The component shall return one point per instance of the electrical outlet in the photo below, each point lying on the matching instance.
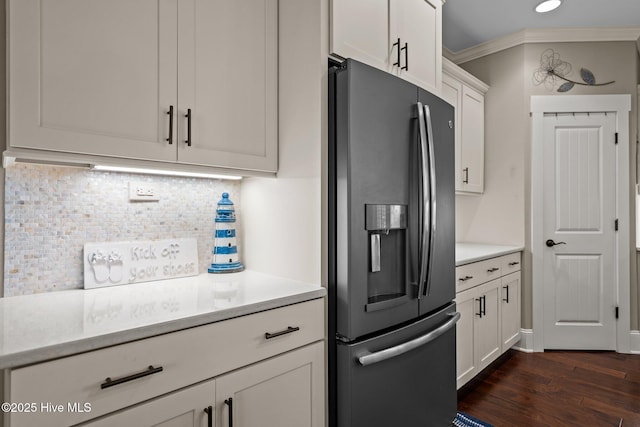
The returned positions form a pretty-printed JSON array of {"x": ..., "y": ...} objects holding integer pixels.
[{"x": 142, "y": 192}]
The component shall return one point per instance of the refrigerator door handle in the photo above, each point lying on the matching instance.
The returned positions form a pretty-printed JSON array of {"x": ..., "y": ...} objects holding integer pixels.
[
  {"x": 432, "y": 192},
  {"x": 425, "y": 201},
  {"x": 389, "y": 353}
]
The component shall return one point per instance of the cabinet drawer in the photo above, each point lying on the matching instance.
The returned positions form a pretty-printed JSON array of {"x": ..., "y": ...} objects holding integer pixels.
[
  {"x": 186, "y": 357},
  {"x": 470, "y": 275},
  {"x": 510, "y": 263}
]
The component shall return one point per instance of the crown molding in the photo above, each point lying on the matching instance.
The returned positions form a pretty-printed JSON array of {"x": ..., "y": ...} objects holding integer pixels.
[
  {"x": 459, "y": 74},
  {"x": 546, "y": 35}
]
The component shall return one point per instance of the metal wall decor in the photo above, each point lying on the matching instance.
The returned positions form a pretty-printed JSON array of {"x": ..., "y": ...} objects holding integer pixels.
[{"x": 553, "y": 69}]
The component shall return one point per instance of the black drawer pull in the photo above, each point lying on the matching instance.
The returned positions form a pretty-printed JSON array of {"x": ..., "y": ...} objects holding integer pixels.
[
  {"x": 465, "y": 278},
  {"x": 209, "y": 411},
  {"x": 188, "y": 116},
  {"x": 170, "y": 113},
  {"x": 229, "y": 403},
  {"x": 108, "y": 382},
  {"x": 491, "y": 270},
  {"x": 514, "y": 263},
  {"x": 289, "y": 329}
]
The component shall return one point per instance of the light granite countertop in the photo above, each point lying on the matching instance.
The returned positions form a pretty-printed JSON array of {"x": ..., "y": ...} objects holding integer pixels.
[
  {"x": 471, "y": 252},
  {"x": 45, "y": 326}
]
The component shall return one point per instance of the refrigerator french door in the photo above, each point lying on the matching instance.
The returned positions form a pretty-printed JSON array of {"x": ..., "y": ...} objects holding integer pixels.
[{"x": 391, "y": 256}]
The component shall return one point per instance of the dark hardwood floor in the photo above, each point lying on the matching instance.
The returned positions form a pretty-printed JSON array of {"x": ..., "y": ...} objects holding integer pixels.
[{"x": 556, "y": 388}]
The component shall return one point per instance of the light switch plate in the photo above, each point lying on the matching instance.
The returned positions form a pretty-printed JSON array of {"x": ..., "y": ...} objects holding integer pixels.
[{"x": 143, "y": 192}]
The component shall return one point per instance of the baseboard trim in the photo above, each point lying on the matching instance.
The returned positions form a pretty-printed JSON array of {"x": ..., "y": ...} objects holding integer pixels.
[
  {"x": 634, "y": 342},
  {"x": 526, "y": 341}
]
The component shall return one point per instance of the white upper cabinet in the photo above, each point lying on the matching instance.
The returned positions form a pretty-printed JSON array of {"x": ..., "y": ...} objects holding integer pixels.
[
  {"x": 417, "y": 24},
  {"x": 100, "y": 77},
  {"x": 403, "y": 37},
  {"x": 228, "y": 78},
  {"x": 466, "y": 93},
  {"x": 92, "y": 77},
  {"x": 359, "y": 30}
]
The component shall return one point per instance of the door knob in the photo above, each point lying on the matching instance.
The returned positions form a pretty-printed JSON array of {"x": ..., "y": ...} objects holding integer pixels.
[{"x": 550, "y": 243}]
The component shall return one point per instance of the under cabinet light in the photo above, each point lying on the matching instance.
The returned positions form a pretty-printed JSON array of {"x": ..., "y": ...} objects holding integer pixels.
[
  {"x": 162, "y": 172},
  {"x": 548, "y": 6}
]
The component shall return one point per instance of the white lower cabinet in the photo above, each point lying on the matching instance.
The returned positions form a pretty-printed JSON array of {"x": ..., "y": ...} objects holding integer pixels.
[
  {"x": 510, "y": 303},
  {"x": 190, "y": 407},
  {"x": 269, "y": 364},
  {"x": 286, "y": 391},
  {"x": 490, "y": 321}
]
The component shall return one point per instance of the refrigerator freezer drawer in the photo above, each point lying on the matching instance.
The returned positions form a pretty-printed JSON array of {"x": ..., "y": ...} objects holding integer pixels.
[{"x": 381, "y": 382}]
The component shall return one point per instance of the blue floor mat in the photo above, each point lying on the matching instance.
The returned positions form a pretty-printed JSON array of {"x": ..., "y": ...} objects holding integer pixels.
[{"x": 464, "y": 420}]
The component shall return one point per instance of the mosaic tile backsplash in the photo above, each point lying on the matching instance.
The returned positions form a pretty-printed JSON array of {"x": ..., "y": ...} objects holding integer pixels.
[{"x": 51, "y": 212}]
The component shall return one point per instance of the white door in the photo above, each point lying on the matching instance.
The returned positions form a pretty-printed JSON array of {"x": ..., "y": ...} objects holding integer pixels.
[
  {"x": 579, "y": 224},
  {"x": 228, "y": 78}
]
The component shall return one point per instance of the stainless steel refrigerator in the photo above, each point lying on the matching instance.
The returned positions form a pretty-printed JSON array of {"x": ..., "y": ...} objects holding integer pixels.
[{"x": 392, "y": 356}]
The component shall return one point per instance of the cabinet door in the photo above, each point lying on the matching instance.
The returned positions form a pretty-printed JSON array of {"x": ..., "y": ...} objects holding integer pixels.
[
  {"x": 92, "y": 76},
  {"x": 510, "y": 302},
  {"x": 285, "y": 391},
  {"x": 452, "y": 93},
  {"x": 472, "y": 140},
  {"x": 228, "y": 78},
  {"x": 468, "y": 308},
  {"x": 418, "y": 25},
  {"x": 185, "y": 408},
  {"x": 487, "y": 327},
  {"x": 359, "y": 30}
]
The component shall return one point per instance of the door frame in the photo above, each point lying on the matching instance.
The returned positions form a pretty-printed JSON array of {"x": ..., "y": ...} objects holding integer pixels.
[{"x": 621, "y": 106}]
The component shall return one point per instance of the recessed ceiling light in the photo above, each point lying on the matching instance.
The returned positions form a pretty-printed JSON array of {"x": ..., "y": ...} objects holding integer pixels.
[{"x": 548, "y": 5}]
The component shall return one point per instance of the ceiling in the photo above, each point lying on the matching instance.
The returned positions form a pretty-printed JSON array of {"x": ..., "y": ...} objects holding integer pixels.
[{"x": 467, "y": 23}]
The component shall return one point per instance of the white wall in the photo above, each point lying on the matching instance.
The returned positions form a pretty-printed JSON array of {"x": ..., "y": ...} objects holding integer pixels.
[{"x": 283, "y": 232}]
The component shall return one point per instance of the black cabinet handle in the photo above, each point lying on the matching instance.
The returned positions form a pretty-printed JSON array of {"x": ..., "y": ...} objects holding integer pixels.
[
  {"x": 465, "y": 180},
  {"x": 397, "y": 63},
  {"x": 108, "y": 382},
  {"x": 229, "y": 403},
  {"x": 507, "y": 299},
  {"x": 479, "y": 314},
  {"x": 170, "y": 113},
  {"x": 491, "y": 270},
  {"x": 484, "y": 305},
  {"x": 513, "y": 263},
  {"x": 209, "y": 412},
  {"x": 465, "y": 278},
  {"x": 406, "y": 56},
  {"x": 290, "y": 329},
  {"x": 188, "y": 116}
]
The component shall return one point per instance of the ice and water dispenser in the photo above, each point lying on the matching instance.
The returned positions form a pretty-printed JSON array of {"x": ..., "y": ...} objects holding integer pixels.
[{"x": 386, "y": 227}]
